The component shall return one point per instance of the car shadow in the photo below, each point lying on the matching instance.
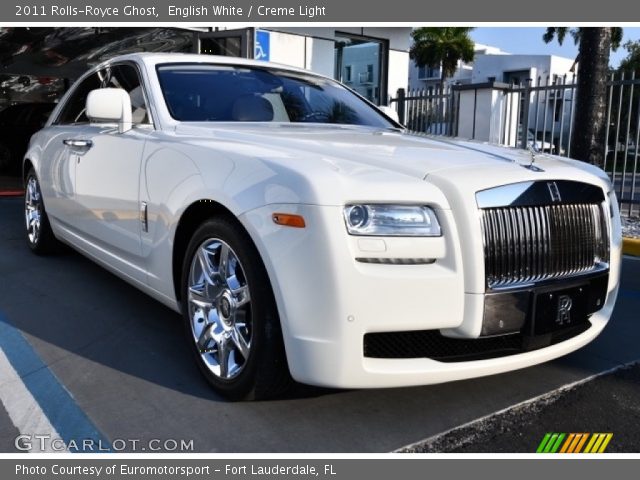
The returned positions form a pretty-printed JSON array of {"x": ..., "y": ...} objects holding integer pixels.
[
  {"x": 79, "y": 308},
  {"x": 124, "y": 358}
]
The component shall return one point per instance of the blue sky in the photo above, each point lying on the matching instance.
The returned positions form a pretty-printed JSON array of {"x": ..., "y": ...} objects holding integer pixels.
[{"x": 528, "y": 40}]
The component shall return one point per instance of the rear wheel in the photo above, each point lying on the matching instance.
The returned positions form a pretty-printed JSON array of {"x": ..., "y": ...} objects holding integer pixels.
[
  {"x": 230, "y": 315},
  {"x": 40, "y": 237}
]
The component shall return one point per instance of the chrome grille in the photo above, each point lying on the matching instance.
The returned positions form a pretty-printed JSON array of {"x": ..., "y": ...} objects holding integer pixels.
[{"x": 527, "y": 244}]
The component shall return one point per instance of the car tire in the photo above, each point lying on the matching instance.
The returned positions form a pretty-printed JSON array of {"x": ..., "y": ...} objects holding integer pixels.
[
  {"x": 40, "y": 237},
  {"x": 230, "y": 315}
]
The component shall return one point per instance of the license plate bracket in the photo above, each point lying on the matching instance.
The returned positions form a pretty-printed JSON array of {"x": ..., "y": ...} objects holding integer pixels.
[{"x": 558, "y": 309}]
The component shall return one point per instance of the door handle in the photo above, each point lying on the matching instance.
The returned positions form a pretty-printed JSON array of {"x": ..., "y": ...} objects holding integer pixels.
[{"x": 72, "y": 142}]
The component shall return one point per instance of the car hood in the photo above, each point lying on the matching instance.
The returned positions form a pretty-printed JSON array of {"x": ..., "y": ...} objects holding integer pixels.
[
  {"x": 359, "y": 151},
  {"x": 414, "y": 155}
]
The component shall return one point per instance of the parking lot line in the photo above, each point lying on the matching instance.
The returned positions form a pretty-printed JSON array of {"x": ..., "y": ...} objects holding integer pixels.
[
  {"x": 37, "y": 403},
  {"x": 123, "y": 358},
  {"x": 24, "y": 412}
]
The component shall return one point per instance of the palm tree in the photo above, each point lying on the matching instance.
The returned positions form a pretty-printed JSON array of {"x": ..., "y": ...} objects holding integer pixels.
[
  {"x": 594, "y": 47},
  {"x": 631, "y": 63},
  {"x": 442, "y": 47}
]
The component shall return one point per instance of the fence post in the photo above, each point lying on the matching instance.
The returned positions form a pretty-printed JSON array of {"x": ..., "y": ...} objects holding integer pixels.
[
  {"x": 525, "y": 114},
  {"x": 401, "y": 105}
]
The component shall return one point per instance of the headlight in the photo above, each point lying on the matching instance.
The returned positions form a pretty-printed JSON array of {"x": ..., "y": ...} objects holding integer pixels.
[{"x": 392, "y": 220}]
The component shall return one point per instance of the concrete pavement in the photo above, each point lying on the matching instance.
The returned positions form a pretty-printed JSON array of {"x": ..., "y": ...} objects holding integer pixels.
[{"x": 122, "y": 358}]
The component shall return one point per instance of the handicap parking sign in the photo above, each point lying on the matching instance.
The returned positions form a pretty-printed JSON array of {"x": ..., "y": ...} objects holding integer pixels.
[{"x": 262, "y": 46}]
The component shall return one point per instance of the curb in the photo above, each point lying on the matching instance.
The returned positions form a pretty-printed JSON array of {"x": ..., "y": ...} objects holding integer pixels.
[
  {"x": 631, "y": 246},
  {"x": 11, "y": 193}
]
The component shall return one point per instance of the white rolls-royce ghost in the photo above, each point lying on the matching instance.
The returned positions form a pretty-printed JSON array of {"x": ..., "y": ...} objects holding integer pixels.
[{"x": 303, "y": 234}]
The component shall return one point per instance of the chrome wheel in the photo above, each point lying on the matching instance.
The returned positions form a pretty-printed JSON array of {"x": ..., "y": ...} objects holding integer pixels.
[
  {"x": 33, "y": 210},
  {"x": 219, "y": 308}
]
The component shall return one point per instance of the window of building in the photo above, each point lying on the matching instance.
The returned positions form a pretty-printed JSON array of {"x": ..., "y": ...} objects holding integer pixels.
[
  {"x": 230, "y": 43},
  {"x": 369, "y": 94},
  {"x": 367, "y": 59},
  {"x": 369, "y": 74},
  {"x": 518, "y": 77},
  {"x": 347, "y": 73},
  {"x": 427, "y": 72}
]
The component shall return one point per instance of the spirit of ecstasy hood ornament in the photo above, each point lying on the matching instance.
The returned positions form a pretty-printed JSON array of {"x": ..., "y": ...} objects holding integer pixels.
[{"x": 532, "y": 166}]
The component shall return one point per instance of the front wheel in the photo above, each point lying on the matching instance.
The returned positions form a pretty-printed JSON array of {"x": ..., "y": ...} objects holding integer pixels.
[
  {"x": 40, "y": 237},
  {"x": 230, "y": 314}
]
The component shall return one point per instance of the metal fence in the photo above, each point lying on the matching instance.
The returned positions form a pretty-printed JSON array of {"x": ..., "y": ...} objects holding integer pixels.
[
  {"x": 538, "y": 114},
  {"x": 623, "y": 135},
  {"x": 428, "y": 110}
]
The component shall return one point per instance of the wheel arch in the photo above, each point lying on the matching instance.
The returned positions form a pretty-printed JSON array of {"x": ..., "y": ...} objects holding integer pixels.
[
  {"x": 192, "y": 217},
  {"x": 271, "y": 374},
  {"x": 27, "y": 165}
]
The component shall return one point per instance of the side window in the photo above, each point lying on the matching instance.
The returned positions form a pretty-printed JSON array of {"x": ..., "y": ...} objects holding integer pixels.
[
  {"x": 126, "y": 77},
  {"x": 118, "y": 76},
  {"x": 74, "y": 110}
]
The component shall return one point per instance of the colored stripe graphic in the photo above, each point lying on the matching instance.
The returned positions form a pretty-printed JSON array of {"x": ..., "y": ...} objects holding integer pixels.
[
  {"x": 550, "y": 443},
  {"x": 581, "y": 443},
  {"x": 554, "y": 442},
  {"x": 606, "y": 441},
  {"x": 543, "y": 443},
  {"x": 34, "y": 387},
  {"x": 554, "y": 449},
  {"x": 568, "y": 442},
  {"x": 592, "y": 440}
]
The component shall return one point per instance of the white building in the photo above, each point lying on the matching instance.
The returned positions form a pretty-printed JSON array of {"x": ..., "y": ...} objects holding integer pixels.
[
  {"x": 371, "y": 60},
  {"x": 549, "y": 111},
  {"x": 518, "y": 69},
  {"x": 494, "y": 70},
  {"x": 426, "y": 76}
]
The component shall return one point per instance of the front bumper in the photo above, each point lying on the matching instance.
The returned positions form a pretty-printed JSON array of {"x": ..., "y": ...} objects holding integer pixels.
[{"x": 328, "y": 300}]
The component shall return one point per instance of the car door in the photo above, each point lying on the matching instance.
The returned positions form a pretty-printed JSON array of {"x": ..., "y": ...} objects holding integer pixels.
[
  {"x": 57, "y": 170},
  {"x": 107, "y": 176}
]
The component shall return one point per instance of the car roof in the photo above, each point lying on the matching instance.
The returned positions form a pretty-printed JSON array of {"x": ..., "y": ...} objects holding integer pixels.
[{"x": 153, "y": 59}]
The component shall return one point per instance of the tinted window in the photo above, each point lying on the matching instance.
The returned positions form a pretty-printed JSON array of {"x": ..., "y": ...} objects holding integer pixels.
[
  {"x": 126, "y": 77},
  {"x": 251, "y": 94},
  {"x": 118, "y": 76},
  {"x": 74, "y": 110}
]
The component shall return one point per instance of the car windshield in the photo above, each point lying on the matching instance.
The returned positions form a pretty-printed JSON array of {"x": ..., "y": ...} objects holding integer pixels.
[{"x": 238, "y": 93}]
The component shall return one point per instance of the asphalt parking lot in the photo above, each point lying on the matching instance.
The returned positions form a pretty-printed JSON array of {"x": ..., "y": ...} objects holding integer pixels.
[{"x": 103, "y": 359}]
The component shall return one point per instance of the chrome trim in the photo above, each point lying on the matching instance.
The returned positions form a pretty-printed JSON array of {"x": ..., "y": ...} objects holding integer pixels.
[
  {"x": 538, "y": 193},
  {"x": 33, "y": 210},
  {"x": 526, "y": 245},
  {"x": 77, "y": 143},
  {"x": 396, "y": 261},
  {"x": 219, "y": 307},
  {"x": 508, "y": 310},
  {"x": 144, "y": 217}
]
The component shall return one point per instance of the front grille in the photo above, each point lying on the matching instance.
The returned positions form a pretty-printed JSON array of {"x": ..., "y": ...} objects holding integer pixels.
[
  {"x": 525, "y": 244},
  {"x": 432, "y": 344}
]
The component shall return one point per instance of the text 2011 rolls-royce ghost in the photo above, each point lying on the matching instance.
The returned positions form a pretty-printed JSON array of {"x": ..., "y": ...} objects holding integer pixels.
[{"x": 304, "y": 235}]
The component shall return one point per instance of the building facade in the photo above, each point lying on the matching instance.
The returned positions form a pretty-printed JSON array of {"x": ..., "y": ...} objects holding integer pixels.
[
  {"x": 493, "y": 71},
  {"x": 428, "y": 77},
  {"x": 371, "y": 60}
]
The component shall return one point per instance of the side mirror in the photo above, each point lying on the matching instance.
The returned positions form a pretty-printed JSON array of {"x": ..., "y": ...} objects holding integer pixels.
[
  {"x": 390, "y": 112},
  {"x": 110, "y": 105}
]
